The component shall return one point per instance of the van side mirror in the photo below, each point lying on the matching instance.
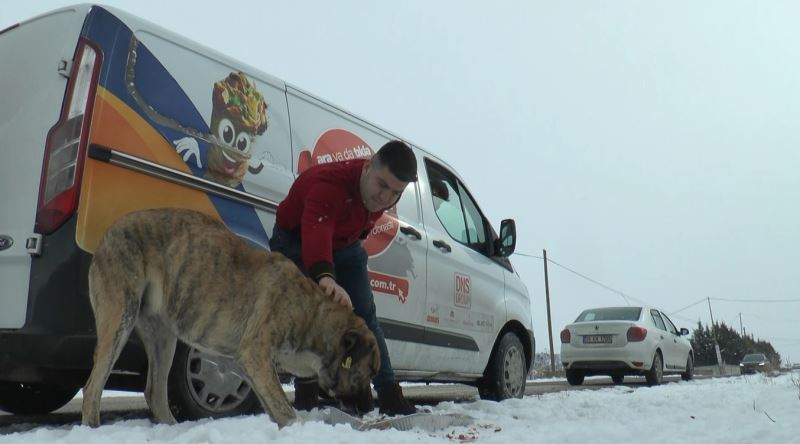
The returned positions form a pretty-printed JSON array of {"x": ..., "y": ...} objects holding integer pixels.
[
  {"x": 505, "y": 245},
  {"x": 684, "y": 332}
]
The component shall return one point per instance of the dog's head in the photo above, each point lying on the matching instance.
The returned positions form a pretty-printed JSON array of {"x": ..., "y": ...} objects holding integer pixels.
[{"x": 353, "y": 363}]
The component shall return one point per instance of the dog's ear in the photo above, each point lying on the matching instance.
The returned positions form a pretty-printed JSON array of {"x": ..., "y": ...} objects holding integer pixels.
[{"x": 350, "y": 341}]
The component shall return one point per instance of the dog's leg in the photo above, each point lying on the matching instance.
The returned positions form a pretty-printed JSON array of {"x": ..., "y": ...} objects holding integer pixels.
[
  {"x": 116, "y": 305},
  {"x": 159, "y": 343},
  {"x": 256, "y": 362}
]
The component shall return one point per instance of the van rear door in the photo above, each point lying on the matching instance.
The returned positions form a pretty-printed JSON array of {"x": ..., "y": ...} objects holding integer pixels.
[{"x": 36, "y": 57}]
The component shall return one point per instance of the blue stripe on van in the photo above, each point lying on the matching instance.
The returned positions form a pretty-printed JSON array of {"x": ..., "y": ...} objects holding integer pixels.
[{"x": 163, "y": 93}]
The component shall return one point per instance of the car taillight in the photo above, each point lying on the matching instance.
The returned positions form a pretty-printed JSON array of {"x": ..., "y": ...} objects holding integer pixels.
[
  {"x": 66, "y": 143},
  {"x": 637, "y": 334},
  {"x": 565, "y": 336}
]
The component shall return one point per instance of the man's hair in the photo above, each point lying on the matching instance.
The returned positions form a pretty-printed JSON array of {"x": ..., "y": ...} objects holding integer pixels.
[{"x": 399, "y": 158}]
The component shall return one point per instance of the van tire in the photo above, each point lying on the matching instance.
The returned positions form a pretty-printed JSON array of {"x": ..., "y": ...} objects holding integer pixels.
[
  {"x": 34, "y": 399},
  {"x": 192, "y": 371},
  {"x": 507, "y": 372}
]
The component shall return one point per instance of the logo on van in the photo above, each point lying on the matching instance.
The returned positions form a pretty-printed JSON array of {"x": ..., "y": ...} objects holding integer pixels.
[
  {"x": 463, "y": 293},
  {"x": 5, "y": 242}
]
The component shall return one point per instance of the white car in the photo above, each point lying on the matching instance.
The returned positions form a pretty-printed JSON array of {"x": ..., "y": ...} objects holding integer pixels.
[{"x": 619, "y": 341}]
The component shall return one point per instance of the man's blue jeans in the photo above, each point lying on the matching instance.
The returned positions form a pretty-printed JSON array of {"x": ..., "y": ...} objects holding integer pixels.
[{"x": 350, "y": 264}]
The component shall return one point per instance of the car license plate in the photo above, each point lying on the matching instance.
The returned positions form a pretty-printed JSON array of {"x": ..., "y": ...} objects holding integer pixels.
[{"x": 597, "y": 339}]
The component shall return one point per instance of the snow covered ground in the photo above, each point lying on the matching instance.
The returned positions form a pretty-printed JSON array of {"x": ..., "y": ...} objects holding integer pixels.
[{"x": 745, "y": 409}]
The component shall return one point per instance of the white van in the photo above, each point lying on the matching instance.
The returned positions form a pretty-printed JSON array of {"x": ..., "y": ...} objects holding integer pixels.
[{"x": 102, "y": 113}]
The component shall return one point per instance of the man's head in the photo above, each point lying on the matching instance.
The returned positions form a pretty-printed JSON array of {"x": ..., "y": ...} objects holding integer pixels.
[{"x": 386, "y": 175}]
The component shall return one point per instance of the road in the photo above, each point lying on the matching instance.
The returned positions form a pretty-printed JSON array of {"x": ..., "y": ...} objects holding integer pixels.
[{"x": 134, "y": 407}]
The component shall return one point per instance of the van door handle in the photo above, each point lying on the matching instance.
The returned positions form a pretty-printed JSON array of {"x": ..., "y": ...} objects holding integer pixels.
[
  {"x": 442, "y": 245},
  {"x": 411, "y": 231}
]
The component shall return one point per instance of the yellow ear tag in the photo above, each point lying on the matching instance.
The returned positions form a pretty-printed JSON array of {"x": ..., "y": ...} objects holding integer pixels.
[{"x": 347, "y": 362}]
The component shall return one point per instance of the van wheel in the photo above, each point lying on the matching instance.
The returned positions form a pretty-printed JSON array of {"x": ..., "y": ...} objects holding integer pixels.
[
  {"x": 574, "y": 377},
  {"x": 34, "y": 399},
  {"x": 655, "y": 375},
  {"x": 689, "y": 373},
  {"x": 207, "y": 386},
  {"x": 506, "y": 374},
  {"x": 617, "y": 379}
]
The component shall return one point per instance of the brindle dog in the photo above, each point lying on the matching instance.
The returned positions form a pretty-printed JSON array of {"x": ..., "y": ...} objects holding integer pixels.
[{"x": 173, "y": 273}]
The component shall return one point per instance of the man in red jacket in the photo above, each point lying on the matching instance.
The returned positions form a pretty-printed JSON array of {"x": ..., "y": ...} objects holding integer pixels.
[{"x": 320, "y": 225}]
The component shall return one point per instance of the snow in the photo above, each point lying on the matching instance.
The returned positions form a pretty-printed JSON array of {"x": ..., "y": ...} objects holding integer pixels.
[{"x": 744, "y": 409}]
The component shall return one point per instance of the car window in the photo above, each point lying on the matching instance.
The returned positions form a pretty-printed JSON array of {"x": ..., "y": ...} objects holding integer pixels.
[
  {"x": 657, "y": 320},
  {"x": 610, "y": 314},
  {"x": 670, "y": 326}
]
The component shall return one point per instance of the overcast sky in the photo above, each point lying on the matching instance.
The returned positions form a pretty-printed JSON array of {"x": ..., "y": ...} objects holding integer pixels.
[{"x": 651, "y": 146}]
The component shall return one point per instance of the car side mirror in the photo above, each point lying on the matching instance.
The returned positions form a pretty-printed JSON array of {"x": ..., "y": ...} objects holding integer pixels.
[
  {"x": 684, "y": 332},
  {"x": 505, "y": 245}
]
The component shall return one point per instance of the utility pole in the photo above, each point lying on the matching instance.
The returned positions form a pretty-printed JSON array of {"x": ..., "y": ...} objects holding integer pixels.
[
  {"x": 549, "y": 322},
  {"x": 740, "y": 324},
  {"x": 714, "y": 333}
]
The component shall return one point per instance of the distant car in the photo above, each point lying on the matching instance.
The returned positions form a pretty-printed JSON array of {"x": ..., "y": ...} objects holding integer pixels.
[
  {"x": 619, "y": 341},
  {"x": 795, "y": 367},
  {"x": 753, "y": 363}
]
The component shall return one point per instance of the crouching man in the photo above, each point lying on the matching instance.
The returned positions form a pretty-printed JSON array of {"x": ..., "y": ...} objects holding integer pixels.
[{"x": 320, "y": 226}]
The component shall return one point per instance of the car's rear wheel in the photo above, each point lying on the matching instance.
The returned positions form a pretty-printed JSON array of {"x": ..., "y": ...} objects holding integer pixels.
[
  {"x": 655, "y": 375},
  {"x": 506, "y": 374},
  {"x": 617, "y": 379},
  {"x": 689, "y": 373},
  {"x": 34, "y": 399},
  {"x": 207, "y": 386},
  {"x": 575, "y": 377}
]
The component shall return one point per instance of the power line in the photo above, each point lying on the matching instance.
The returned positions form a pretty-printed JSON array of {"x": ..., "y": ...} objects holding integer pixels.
[
  {"x": 768, "y": 301},
  {"x": 771, "y": 319},
  {"x": 625, "y": 297},
  {"x": 528, "y": 255},
  {"x": 688, "y": 306}
]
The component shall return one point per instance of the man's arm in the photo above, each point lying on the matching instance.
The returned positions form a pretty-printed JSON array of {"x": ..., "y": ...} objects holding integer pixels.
[{"x": 323, "y": 203}]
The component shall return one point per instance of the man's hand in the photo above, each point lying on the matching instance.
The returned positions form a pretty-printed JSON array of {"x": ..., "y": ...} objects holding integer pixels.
[{"x": 335, "y": 292}]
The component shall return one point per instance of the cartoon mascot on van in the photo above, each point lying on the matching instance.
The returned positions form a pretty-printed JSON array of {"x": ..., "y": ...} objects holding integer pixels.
[{"x": 239, "y": 115}]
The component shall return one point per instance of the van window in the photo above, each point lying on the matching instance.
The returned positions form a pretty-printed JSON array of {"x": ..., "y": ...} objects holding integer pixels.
[
  {"x": 455, "y": 208},
  {"x": 476, "y": 228}
]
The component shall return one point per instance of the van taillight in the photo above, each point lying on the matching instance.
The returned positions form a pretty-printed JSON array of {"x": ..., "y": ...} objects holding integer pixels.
[
  {"x": 66, "y": 143},
  {"x": 637, "y": 334},
  {"x": 565, "y": 336}
]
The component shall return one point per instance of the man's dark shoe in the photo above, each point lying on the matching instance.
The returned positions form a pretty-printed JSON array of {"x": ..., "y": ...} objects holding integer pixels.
[
  {"x": 306, "y": 394},
  {"x": 392, "y": 402},
  {"x": 358, "y": 404}
]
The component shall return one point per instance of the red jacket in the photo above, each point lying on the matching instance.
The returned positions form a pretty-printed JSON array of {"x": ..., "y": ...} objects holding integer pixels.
[{"x": 324, "y": 206}]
